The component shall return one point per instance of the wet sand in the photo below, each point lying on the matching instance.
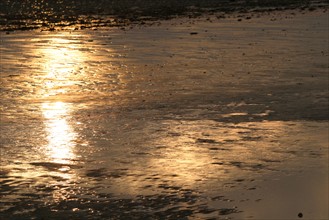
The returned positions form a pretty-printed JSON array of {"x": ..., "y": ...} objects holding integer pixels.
[{"x": 203, "y": 118}]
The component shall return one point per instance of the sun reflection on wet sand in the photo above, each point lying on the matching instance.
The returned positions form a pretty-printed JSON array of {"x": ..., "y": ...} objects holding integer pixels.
[
  {"x": 61, "y": 65},
  {"x": 62, "y": 78},
  {"x": 60, "y": 135},
  {"x": 61, "y": 60}
]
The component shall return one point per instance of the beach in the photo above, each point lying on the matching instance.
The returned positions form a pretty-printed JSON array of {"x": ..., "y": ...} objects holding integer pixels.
[{"x": 217, "y": 116}]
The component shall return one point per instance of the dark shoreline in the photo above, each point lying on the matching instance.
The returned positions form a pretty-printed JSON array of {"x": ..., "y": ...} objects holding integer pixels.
[{"x": 54, "y": 15}]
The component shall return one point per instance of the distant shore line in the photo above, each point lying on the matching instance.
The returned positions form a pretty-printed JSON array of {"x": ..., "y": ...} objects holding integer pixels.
[{"x": 54, "y": 21}]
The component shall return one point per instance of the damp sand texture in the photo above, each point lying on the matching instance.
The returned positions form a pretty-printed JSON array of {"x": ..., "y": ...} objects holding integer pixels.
[{"x": 203, "y": 118}]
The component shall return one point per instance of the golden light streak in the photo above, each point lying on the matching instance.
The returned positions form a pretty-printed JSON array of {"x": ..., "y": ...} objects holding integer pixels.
[{"x": 60, "y": 135}]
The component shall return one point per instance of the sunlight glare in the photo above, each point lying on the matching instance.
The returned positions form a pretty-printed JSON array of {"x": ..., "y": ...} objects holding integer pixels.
[
  {"x": 62, "y": 66},
  {"x": 60, "y": 135}
]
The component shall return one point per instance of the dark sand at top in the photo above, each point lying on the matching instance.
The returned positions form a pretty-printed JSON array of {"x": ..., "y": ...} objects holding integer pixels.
[{"x": 59, "y": 14}]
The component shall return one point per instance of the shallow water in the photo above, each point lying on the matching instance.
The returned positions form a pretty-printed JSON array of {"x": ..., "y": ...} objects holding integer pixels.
[{"x": 161, "y": 123}]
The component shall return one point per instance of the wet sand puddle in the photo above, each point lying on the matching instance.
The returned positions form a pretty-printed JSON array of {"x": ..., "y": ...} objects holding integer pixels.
[{"x": 159, "y": 124}]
